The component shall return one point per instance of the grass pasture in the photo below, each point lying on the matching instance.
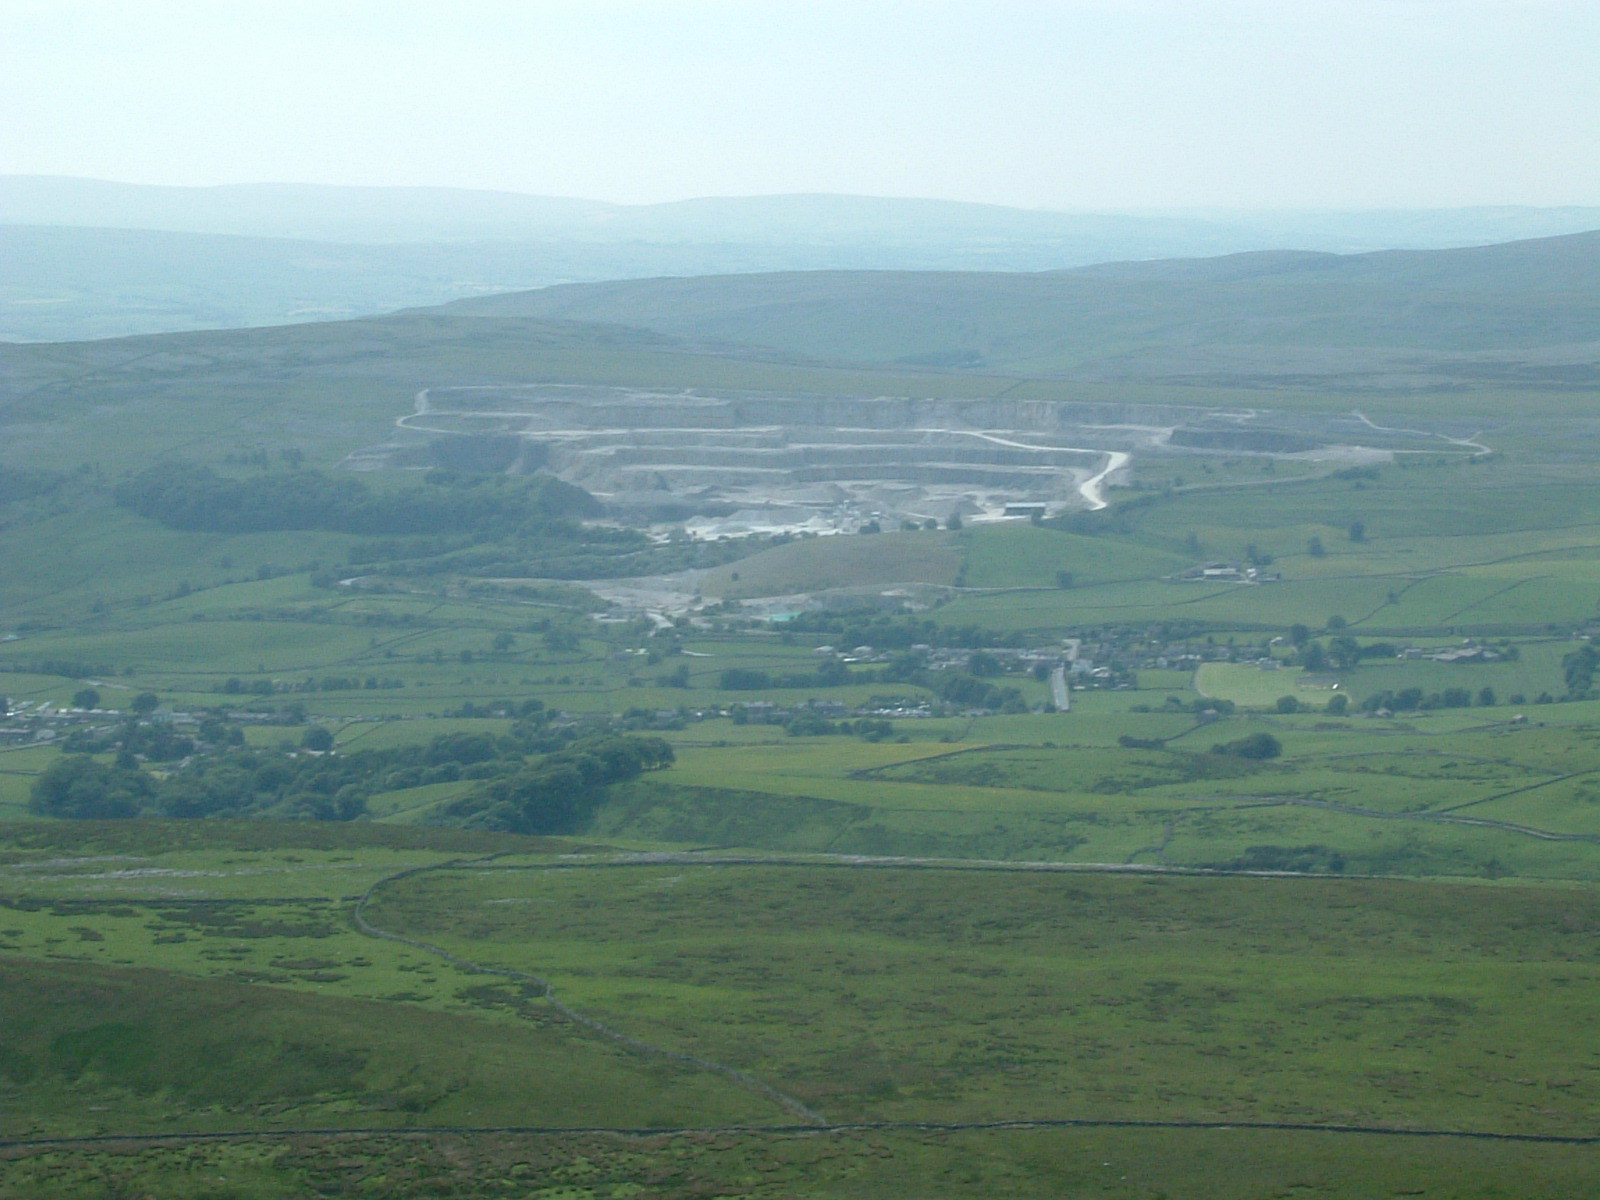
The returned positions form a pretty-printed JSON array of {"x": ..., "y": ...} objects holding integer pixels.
[
  {"x": 92, "y": 1050},
  {"x": 951, "y": 996},
  {"x": 902, "y": 1164},
  {"x": 1355, "y": 797},
  {"x": 1014, "y": 554},
  {"x": 872, "y": 994}
]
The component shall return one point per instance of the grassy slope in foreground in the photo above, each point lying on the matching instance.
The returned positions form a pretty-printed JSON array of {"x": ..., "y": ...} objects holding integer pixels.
[
  {"x": 1036, "y": 1164},
  {"x": 936, "y": 995}
]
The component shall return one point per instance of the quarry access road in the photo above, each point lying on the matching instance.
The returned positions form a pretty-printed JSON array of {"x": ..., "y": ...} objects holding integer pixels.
[
  {"x": 1093, "y": 490},
  {"x": 1060, "y": 694},
  {"x": 1469, "y": 442}
]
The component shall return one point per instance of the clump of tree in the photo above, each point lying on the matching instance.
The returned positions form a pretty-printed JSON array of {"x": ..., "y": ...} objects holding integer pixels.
[
  {"x": 315, "y": 782},
  {"x": 1301, "y": 860},
  {"x": 194, "y": 497},
  {"x": 968, "y": 691},
  {"x": 815, "y": 725},
  {"x": 1414, "y": 699},
  {"x": 1256, "y": 746},
  {"x": 1578, "y": 670},
  {"x": 85, "y": 789},
  {"x": 1342, "y": 653},
  {"x": 1199, "y": 706},
  {"x": 555, "y": 794}
]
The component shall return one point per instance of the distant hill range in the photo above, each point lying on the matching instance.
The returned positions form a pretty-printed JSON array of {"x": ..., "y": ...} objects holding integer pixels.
[
  {"x": 87, "y": 258},
  {"x": 1518, "y": 315},
  {"x": 1521, "y": 312}
]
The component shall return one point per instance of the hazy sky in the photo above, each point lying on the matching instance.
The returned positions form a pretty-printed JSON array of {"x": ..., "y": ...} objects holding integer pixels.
[{"x": 1075, "y": 104}]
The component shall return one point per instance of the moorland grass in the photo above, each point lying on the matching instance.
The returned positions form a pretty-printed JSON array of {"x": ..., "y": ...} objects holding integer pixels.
[
  {"x": 91, "y": 1050},
  {"x": 890, "y": 994},
  {"x": 1092, "y": 1164}
]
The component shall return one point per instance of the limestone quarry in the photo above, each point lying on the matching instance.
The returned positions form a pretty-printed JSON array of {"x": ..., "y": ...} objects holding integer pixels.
[{"x": 737, "y": 463}]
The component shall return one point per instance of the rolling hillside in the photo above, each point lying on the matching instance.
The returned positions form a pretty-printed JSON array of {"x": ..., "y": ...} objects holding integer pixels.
[
  {"x": 1433, "y": 332},
  {"x": 90, "y": 259},
  {"x": 1521, "y": 311}
]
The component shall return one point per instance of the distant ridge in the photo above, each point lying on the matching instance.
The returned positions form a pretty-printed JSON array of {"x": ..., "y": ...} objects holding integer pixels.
[
  {"x": 1334, "y": 329},
  {"x": 84, "y": 258},
  {"x": 423, "y": 214},
  {"x": 1528, "y": 309}
]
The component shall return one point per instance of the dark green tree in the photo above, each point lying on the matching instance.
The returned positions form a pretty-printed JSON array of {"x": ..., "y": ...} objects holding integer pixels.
[
  {"x": 1258, "y": 746},
  {"x": 1578, "y": 670},
  {"x": 78, "y": 787},
  {"x": 1345, "y": 652},
  {"x": 317, "y": 737}
]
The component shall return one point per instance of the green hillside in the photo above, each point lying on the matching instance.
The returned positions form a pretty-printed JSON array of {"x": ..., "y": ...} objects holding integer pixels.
[{"x": 1525, "y": 310}]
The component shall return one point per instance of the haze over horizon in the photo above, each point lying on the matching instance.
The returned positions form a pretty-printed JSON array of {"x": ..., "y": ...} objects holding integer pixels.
[{"x": 1081, "y": 105}]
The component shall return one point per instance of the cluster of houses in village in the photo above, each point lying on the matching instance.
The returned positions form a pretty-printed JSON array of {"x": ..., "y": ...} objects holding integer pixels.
[
  {"x": 1229, "y": 572},
  {"x": 26, "y": 721}
]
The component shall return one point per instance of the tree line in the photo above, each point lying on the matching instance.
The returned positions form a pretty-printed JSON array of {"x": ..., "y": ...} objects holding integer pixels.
[
  {"x": 532, "y": 779},
  {"x": 193, "y": 497}
]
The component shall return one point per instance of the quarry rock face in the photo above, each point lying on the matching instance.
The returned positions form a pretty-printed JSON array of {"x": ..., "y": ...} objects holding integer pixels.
[{"x": 813, "y": 462}]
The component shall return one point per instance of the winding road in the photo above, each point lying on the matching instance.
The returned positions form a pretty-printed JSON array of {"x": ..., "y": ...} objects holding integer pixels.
[{"x": 1477, "y": 447}]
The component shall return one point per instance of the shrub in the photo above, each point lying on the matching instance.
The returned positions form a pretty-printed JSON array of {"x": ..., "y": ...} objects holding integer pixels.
[{"x": 1259, "y": 746}]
